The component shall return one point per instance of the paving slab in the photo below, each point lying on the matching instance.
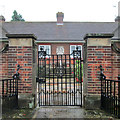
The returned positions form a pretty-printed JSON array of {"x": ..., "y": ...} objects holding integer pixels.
[{"x": 69, "y": 112}]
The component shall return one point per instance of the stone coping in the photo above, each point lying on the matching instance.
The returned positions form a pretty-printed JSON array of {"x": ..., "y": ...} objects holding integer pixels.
[
  {"x": 98, "y": 35},
  {"x": 21, "y": 36}
]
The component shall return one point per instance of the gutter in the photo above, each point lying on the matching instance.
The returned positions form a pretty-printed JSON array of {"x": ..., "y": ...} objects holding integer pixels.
[{"x": 64, "y": 41}]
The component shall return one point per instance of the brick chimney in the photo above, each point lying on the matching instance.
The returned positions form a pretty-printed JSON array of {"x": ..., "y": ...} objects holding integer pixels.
[
  {"x": 60, "y": 17},
  {"x": 2, "y": 19}
]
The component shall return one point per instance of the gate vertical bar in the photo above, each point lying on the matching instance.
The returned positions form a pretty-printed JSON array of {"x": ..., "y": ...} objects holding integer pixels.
[
  {"x": 81, "y": 77},
  {"x": 66, "y": 78},
  {"x": 17, "y": 91},
  {"x": 78, "y": 83},
  {"x": 45, "y": 77},
  {"x": 69, "y": 99},
  {"x": 38, "y": 82},
  {"x": 10, "y": 87},
  {"x": 118, "y": 96},
  {"x": 13, "y": 85},
  {"x": 49, "y": 79},
  {"x": 3, "y": 88},
  {"x": 37, "y": 78},
  {"x": 114, "y": 97},
  {"x": 110, "y": 96},
  {"x": 53, "y": 77},
  {"x": 74, "y": 74},
  {"x": 7, "y": 87},
  {"x": 61, "y": 78},
  {"x": 79, "y": 72},
  {"x": 57, "y": 79}
]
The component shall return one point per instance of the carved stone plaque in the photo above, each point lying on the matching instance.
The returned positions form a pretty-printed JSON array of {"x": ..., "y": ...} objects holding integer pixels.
[{"x": 60, "y": 50}]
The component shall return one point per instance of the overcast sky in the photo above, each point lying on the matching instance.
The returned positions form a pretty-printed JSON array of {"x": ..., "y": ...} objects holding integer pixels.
[{"x": 74, "y": 10}]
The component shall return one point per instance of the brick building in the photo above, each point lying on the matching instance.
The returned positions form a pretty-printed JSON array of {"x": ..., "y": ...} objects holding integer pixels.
[{"x": 60, "y": 34}]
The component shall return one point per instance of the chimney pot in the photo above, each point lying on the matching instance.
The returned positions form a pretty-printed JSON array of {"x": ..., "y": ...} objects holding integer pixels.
[{"x": 60, "y": 17}]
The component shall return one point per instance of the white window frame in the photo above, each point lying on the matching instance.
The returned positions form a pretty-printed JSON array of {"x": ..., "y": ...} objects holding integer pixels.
[
  {"x": 45, "y": 48},
  {"x": 75, "y": 49}
]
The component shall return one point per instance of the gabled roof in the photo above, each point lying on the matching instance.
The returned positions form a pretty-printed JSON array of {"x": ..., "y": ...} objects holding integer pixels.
[{"x": 49, "y": 31}]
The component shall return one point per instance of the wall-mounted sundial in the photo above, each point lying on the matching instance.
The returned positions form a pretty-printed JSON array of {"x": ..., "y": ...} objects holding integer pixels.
[{"x": 60, "y": 50}]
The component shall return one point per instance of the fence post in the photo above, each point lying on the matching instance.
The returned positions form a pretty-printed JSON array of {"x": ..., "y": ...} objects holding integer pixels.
[
  {"x": 118, "y": 96},
  {"x": 16, "y": 78},
  {"x": 101, "y": 78}
]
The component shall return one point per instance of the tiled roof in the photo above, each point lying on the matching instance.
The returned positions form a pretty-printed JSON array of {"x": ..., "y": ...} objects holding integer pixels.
[{"x": 47, "y": 31}]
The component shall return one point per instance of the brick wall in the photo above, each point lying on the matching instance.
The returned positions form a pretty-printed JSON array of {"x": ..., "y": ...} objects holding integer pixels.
[
  {"x": 115, "y": 55},
  {"x": 22, "y": 52},
  {"x": 4, "y": 65},
  {"x": 97, "y": 51},
  {"x": 97, "y": 55},
  {"x": 21, "y": 55}
]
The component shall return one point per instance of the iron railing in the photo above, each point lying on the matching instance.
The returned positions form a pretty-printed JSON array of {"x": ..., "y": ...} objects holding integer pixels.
[
  {"x": 110, "y": 95},
  {"x": 9, "y": 87}
]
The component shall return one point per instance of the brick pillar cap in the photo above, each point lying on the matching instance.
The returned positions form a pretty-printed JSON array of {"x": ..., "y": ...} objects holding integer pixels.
[
  {"x": 21, "y": 36},
  {"x": 97, "y": 35}
]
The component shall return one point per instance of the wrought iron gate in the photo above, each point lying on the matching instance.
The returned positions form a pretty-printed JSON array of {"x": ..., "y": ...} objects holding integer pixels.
[{"x": 59, "y": 79}]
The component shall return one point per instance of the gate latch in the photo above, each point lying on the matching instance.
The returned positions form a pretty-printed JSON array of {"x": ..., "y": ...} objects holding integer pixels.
[{"x": 40, "y": 80}]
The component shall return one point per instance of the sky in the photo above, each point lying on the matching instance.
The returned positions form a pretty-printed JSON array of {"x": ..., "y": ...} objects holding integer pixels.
[{"x": 74, "y": 10}]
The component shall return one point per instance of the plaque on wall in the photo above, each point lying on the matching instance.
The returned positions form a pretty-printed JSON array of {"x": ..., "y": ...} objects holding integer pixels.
[{"x": 60, "y": 50}]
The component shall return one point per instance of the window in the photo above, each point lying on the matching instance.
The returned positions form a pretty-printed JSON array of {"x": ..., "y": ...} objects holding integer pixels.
[
  {"x": 73, "y": 47},
  {"x": 46, "y": 48}
]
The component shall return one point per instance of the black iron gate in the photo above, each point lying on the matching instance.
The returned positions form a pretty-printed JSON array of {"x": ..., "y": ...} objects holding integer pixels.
[{"x": 59, "y": 79}]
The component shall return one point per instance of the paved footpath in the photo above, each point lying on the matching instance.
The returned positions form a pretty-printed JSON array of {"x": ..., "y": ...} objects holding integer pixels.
[
  {"x": 59, "y": 112},
  {"x": 69, "y": 112}
]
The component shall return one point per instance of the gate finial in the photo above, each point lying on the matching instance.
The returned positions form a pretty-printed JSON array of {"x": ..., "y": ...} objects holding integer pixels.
[
  {"x": 101, "y": 69},
  {"x": 77, "y": 48},
  {"x": 41, "y": 49},
  {"x": 101, "y": 73}
]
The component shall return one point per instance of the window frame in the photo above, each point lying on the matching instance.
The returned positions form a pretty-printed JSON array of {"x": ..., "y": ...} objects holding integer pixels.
[
  {"x": 75, "y": 49},
  {"x": 45, "y": 49}
]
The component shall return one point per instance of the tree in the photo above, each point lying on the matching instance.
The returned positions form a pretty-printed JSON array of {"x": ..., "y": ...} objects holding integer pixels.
[{"x": 16, "y": 16}]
